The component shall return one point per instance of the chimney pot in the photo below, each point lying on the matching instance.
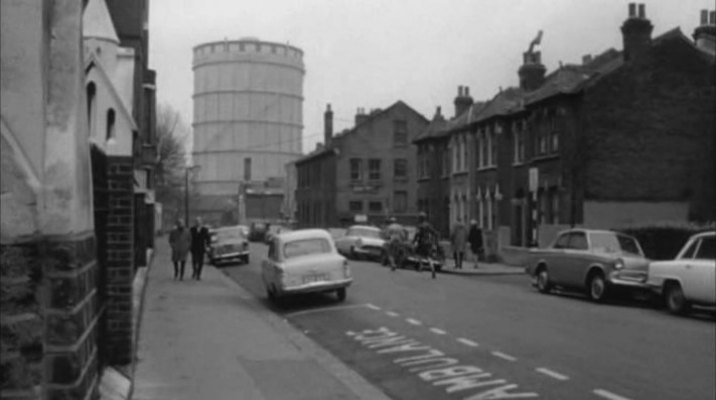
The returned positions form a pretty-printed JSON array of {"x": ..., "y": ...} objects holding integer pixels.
[
  {"x": 467, "y": 90},
  {"x": 632, "y": 10},
  {"x": 586, "y": 59},
  {"x": 704, "y": 17},
  {"x": 642, "y": 10},
  {"x": 712, "y": 17},
  {"x": 438, "y": 111}
]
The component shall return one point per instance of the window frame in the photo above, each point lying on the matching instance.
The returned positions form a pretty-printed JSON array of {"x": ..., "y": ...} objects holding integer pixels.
[
  {"x": 400, "y": 133},
  {"x": 358, "y": 172},
  {"x": 374, "y": 169}
]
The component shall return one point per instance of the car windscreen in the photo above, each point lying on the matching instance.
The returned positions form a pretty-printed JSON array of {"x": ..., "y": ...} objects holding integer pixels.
[
  {"x": 364, "y": 232},
  {"x": 304, "y": 247},
  {"x": 228, "y": 235},
  {"x": 613, "y": 243},
  {"x": 707, "y": 249}
]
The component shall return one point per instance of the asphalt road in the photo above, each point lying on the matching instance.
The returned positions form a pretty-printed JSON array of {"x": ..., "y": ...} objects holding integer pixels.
[{"x": 495, "y": 337}]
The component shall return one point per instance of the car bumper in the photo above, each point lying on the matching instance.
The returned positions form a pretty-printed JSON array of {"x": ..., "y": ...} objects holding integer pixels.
[
  {"x": 635, "y": 282},
  {"x": 312, "y": 287},
  {"x": 230, "y": 256},
  {"x": 368, "y": 251}
]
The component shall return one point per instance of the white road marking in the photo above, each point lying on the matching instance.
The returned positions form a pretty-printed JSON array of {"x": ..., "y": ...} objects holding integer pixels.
[
  {"x": 503, "y": 356},
  {"x": 350, "y": 333},
  {"x": 372, "y": 306},
  {"x": 438, "y": 331},
  {"x": 324, "y": 309},
  {"x": 413, "y": 321},
  {"x": 391, "y": 313},
  {"x": 608, "y": 395},
  {"x": 467, "y": 342},
  {"x": 550, "y": 373}
]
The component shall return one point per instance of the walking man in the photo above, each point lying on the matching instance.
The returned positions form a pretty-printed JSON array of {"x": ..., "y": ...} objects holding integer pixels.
[
  {"x": 199, "y": 241},
  {"x": 475, "y": 239},
  {"x": 179, "y": 240},
  {"x": 458, "y": 240},
  {"x": 426, "y": 242},
  {"x": 395, "y": 235}
]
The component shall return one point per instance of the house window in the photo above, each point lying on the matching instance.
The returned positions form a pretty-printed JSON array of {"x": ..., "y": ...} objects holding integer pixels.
[
  {"x": 375, "y": 206},
  {"x": 519, "y": 146},
  {"x": 493, "y": 149},
  {"x": 374, "y": 169},
  {"x": 355, "y": 206},
  {"x": 91, "y": 105},
  {"x": 400, "y": 167},
  {"x": 400, "y": 133},
  {"x": 400, "y": 201},
  {"x": 555, "y": 141},
  {"x": 356, "y": 169},
  {"x": 465, "y": 154},
  {"x": 247, "y": 169},
  {"x": 542, "y": 143},
  {"x": 446, "y": 161},
  {"x": 110, "y": 124}
]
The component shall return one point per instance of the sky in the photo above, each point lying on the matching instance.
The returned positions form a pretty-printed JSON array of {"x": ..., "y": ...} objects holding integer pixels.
[{"x": 372, "y": 53}]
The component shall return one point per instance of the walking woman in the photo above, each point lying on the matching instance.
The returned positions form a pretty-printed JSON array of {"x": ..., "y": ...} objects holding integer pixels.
[{"x": 179, "y": 240}]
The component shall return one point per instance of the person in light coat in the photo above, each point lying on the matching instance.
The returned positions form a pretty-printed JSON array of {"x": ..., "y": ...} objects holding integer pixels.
[
  {"x": 458, "y": 238},
  {"x": 180, "y": 241}
]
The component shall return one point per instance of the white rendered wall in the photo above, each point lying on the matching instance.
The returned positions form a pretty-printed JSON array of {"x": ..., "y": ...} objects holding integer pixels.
[{"x": 248, "y": 103}]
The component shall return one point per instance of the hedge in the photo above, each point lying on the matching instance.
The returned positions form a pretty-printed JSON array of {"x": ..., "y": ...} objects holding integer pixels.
[{"x": 664, "y": 241}]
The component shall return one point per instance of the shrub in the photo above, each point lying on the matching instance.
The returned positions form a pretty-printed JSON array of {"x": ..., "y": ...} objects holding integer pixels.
[{"x": 663, "y": 241}]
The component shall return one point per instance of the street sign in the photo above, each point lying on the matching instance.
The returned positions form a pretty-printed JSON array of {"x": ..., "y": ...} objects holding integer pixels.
[{"x": 534, "y": 179}]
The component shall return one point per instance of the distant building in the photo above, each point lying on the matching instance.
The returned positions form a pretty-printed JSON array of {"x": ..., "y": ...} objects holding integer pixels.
[
  {"x": 367, "y": 170},
  {"x": 625, "y": 137}
]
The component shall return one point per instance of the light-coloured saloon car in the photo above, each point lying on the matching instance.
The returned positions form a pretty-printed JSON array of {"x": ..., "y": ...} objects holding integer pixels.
[
  {"x": 305, "y": 261},
  {"x": 592, "y": 260},
  {"x": 361, "y": 241},
  {"x": 690, "y": 278}
]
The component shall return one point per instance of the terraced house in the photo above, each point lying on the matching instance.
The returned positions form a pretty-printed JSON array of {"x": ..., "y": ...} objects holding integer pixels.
[
  {"x": 368, "y": 170},
  {"x": 624, "y": 137}
]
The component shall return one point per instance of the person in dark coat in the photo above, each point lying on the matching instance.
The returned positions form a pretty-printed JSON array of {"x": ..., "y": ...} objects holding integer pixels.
[
  {"x": 180, "y": 241},
  {"x": 475, "y": 239},
  {"x": 199, "y": 242}
]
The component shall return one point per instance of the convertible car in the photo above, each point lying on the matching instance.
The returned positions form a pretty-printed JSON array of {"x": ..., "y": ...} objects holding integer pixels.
[{"x": 597, "y": 261}]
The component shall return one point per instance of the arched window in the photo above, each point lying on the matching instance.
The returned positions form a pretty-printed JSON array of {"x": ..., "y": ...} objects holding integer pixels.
[
  {"x": 91, "y": 106},
  {"x": 110, "y": 123}
]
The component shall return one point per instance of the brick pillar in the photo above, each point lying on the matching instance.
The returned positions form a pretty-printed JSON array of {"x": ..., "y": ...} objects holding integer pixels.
[
  {"x": 70, "y": 269},
  {"x": 120, "y": 260}
]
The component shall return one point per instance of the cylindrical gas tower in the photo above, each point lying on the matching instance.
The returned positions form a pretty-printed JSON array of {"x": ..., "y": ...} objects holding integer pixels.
[{"x": 248, "y": 112}]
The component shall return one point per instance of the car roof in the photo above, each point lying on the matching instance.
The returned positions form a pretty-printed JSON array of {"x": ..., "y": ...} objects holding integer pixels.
[
  {"x": 587, "y": 230},
  {"x": 304, "y": 234},
  {"x": 373, "y": 228},
  {"x": 703, "y": 234}
]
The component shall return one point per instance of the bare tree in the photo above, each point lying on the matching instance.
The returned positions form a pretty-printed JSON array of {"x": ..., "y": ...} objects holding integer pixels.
[{"x": 172, "y": 134}]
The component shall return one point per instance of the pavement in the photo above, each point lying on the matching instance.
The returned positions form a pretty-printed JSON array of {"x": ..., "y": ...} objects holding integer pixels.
[
  {"x": 483, "y": 268},
  {"x": 211, "y": 339}
]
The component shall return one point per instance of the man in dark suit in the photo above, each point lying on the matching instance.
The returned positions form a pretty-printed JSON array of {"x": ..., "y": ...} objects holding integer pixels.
[{"x": 199, "y": 242}]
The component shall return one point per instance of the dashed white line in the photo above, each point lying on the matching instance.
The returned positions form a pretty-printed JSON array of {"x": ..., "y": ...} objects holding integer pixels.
[
  {"x": 350, "y": 333},
  {"x": 503, "y": 356},
  {"x": 413, "y": 321},
  {"x": 391, "y": 313},
  {"x": 608, "y": 395},
  {"x": 438, "y": 331},
  {"x": 550, "y": 373},
  {"x": 467, "y": 342},
  {"x": 372, "y": 306}
]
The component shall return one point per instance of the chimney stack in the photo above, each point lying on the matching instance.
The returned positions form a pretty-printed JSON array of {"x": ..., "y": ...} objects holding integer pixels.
[
  {"x": 586, "y": 59},
  {"x": 361, "y": 116},
  {"x": 636, "y": 33},
  {"x": 705, "y": 34},
  {"x": 328, "y": 125},
  {"x": 532, "y": 71},
  {"x": 463, "y": 101}
]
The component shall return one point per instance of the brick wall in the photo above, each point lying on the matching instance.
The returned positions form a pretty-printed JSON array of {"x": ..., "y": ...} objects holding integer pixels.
[
  {"x": 649, "y": 126},
  {"x": 120, "y": 260}
]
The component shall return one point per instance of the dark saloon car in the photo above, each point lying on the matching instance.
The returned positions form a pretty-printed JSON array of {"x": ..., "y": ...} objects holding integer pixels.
[
  {"x": 258, "y": 231},
  {"x": 228, "y": 244}
]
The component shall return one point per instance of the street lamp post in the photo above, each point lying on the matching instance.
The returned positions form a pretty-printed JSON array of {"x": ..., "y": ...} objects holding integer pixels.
[{"x": 186, "y": 190}]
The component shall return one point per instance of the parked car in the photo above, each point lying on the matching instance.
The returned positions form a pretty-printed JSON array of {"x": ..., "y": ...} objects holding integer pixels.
[
  {"x": 361, "y": 241},
  {"x": 688, "y": 279},
  {"x": 593, "y": 260},
  {"x": 228, "y": 244},
  {"x": 305, "y": 261},
  {"x": 258, "y": 231}
]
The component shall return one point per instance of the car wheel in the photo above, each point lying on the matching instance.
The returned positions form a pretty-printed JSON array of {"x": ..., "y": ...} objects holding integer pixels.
[
  {"x": 597, "y": 287},
  {"x": 543, "y": 283},
  {"x": 271, "y": 293},
  {"x": 353, "y": 255},
  {"x": 245, "y": 259},
  {"x": 675, "y": 299},
  {"x": 341, "y": 294}
]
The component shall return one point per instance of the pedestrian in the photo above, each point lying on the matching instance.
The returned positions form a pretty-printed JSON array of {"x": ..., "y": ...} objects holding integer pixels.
[
  {"x": 426, "y": 243},
  {"x": 458, "y": 240},
  {"x": 200, "y": 240},
  {"x": 395, "y": 235},
  {"x": 180, "y": 241},
  {"x": 475, "y": 239}
]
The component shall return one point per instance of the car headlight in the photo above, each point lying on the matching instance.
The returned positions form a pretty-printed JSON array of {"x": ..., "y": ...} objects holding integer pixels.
[{"x": 619, "y": 264}]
